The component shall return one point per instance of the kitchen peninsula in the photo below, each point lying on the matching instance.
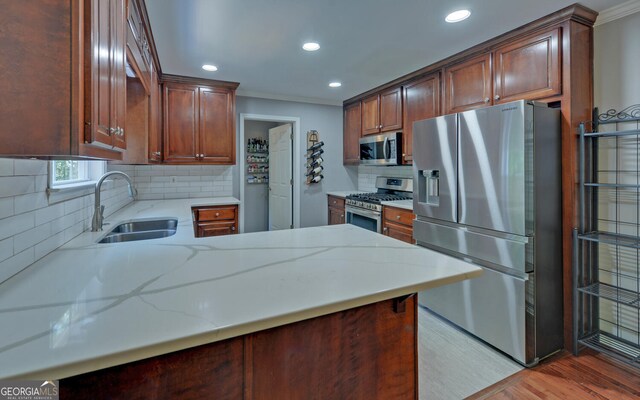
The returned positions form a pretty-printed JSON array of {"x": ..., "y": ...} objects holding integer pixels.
[{"x": 237, "y": 314}]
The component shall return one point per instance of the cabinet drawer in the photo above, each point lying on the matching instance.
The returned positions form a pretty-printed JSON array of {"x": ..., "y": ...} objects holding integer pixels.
[
  {"x": 335, "y": 202},
  {"x": 397, "y": 231},
  {"x": 206, "y": 229},
  {"x": 398, "y": 215},
  {"x": 215, "y": 213}
]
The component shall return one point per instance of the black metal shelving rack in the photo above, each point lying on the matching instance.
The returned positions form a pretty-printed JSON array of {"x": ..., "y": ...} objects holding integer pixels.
[{"x": 617, "y": 237}]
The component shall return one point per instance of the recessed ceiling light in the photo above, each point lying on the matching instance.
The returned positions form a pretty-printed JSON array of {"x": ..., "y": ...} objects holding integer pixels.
[
  {"x": 311, "y": 46},
  {"x": 458, "y": 16},
  {"x": 209, "y": 67},
  {"x": 335, "y": 84}
]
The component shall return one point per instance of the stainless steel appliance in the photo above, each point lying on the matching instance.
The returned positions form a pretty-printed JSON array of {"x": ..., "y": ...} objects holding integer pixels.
[
  {"x": 488, "y": 190},
  {"x": 365, "y": 209},
  {"x": 383, "y": 149}
]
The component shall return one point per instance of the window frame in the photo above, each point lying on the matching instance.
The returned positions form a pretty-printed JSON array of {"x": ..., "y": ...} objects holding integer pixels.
[{"x": 92, "y": 172}]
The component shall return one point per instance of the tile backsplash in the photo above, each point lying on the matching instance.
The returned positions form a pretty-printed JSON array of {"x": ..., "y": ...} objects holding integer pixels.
[
  {"x": 367, "y": 175},
  {"x": 156, "y": 182},
  {"x": 32, "y": 225}
]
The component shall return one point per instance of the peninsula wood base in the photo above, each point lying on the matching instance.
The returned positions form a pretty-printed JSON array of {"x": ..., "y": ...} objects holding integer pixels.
[{"x": 367, "y": 352}]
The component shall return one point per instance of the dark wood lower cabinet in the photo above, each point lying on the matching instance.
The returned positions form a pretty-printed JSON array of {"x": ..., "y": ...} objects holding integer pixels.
[{"x": 367, "y": 352}]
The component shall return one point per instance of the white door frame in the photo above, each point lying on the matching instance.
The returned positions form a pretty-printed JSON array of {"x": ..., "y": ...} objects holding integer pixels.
[{"x": 297, "y": 181}]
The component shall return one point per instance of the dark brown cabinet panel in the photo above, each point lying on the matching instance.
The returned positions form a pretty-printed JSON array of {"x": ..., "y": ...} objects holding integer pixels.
[
  {"x": 391, "y": 110},
  {"x": 217, "y": 130},
  {"x": 155, "y": 118},
  {"x": 215, "y": 220},
  {"x": 352, "y": 132},
  {"x": 118, "y": 72},
  {"x": 336, "y": 213},
  {"x": 199, "y": 122},
  {"x": 105, "y": 76},
  {"x": 362, "y": 353},
  {"x": 368, "y": 352},
  {"x": 371, "y": 115},
  {"x": 382, "y": 112},
  {"x": 528, "y": 68},
  {"x": 180, "y": 123},
  {"x": 468, "y": 84},
  {"x": 421, "y": 101},
  {"x": 211, "y": 371},
  {"x": 398, "y": 223},
  {"x": 138, "y": 43}
]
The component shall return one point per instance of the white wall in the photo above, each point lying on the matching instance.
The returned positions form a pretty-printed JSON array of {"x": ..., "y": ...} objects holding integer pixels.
[
  {"x": 617, "y": 86},
  {"x": 327, "y": 120},
  {"x": 30, "y": 227}
]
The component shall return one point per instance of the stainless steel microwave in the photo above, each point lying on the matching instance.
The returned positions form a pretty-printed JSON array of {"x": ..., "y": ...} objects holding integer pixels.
[{"x": 383, "y": 149}]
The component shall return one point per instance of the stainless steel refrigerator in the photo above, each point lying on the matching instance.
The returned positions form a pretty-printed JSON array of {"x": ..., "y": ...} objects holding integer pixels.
[{"x": 487, "y": 188}]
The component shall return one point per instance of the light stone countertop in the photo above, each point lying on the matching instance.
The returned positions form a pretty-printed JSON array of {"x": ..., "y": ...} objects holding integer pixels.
[
  {"x": 88, "y": 306},
  {"x": 405, "y": 204}
]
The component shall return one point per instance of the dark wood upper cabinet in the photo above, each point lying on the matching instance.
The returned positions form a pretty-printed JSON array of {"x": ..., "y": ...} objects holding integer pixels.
[
  {"x": 199, "y": 121},
  {"x": 468, "y": 84},
  {"x": 105, "y": 76},
  {"x": 528, "y": 68},
  {"x": 382, "y": 112},
  {"x": 138, "y": 43},
  {"x": 180, "y": 123},
  {"x": 352, "y": 132},
  {"x": 217, "y": 129},
  {"x": 155, "y": 118},
  {"x": 421, "y": 101},
  {"x": 391, "y": 110},
  {"x": 371, "y": 115}
]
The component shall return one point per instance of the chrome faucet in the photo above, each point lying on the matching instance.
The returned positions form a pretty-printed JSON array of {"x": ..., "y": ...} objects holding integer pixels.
[{"x": 96, "y": 222}]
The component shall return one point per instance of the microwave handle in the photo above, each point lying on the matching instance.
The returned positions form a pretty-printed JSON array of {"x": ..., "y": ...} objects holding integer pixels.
[{"x": 386, "y": 148}]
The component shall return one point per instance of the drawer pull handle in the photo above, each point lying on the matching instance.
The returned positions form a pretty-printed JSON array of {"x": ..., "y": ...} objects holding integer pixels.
[{"x": 217, "y": 214}]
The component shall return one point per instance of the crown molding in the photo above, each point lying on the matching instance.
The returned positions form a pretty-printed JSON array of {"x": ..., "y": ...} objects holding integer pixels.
[
  {"x": 619, "y": 11},
  {"x": 296, "y": 99}
]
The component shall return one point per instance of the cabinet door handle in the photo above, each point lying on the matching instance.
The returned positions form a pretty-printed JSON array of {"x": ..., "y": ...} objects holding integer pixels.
[
  {"x": 496, "y": 97},
  {"x": 486, "y": 99},
  {"x": 233, "y": 228},
  {"x": 217, "y": 214},
  {"x": 385, "y": 229},
  {"x": 156, "y": 153},
  {"x": 397, "y": 217},
  {"x": 341, "y": 215},
  {"x": 334, "y": 202}
]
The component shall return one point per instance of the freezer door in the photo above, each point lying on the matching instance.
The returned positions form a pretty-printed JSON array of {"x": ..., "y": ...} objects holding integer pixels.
[
  {"x": 491, "y": 166},
  {"x": 435, "y": 167}
]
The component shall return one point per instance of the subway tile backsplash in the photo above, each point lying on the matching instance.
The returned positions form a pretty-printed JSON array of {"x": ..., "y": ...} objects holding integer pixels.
[
  {"x": 367, "y": 175},
  {"x": 30, "y": 227}
]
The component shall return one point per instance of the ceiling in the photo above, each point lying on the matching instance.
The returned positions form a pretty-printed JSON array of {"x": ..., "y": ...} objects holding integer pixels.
[{"x": 364, "y": 43}]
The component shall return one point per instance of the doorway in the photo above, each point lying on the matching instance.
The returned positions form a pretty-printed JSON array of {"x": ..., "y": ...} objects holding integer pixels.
[{"x": 260, "y": 163}]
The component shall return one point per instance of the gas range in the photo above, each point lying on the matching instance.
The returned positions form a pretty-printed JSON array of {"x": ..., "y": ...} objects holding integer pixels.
[
  {"x": 372, "y": 201},
  {"x": 389, "y": 189}
]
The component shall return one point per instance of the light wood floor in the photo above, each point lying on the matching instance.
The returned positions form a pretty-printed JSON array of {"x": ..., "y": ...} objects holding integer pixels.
[
  {"x": 591, "y": 375},
  {"x": 453, "y": 364}
]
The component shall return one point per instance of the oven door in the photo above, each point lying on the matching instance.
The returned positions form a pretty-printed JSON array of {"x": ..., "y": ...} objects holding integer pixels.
[{"x": 367, "y": 219}]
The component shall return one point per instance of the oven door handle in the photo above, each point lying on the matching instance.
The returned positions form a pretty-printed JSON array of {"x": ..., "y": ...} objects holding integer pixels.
[{"x": 360, "y": 211}]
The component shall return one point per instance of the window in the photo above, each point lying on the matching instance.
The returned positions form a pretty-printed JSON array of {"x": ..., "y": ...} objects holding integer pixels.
[{"x": 72, "y": 174}]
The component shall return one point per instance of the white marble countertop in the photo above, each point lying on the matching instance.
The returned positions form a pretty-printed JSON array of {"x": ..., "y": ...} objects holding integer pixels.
[
  {"x": 405, "y": 204},
  {"x": 88, "y": 306}
]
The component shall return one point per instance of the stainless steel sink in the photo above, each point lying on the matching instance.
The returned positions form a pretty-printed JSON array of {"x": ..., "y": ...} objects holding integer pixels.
[{"x": 141, "y": 230}]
